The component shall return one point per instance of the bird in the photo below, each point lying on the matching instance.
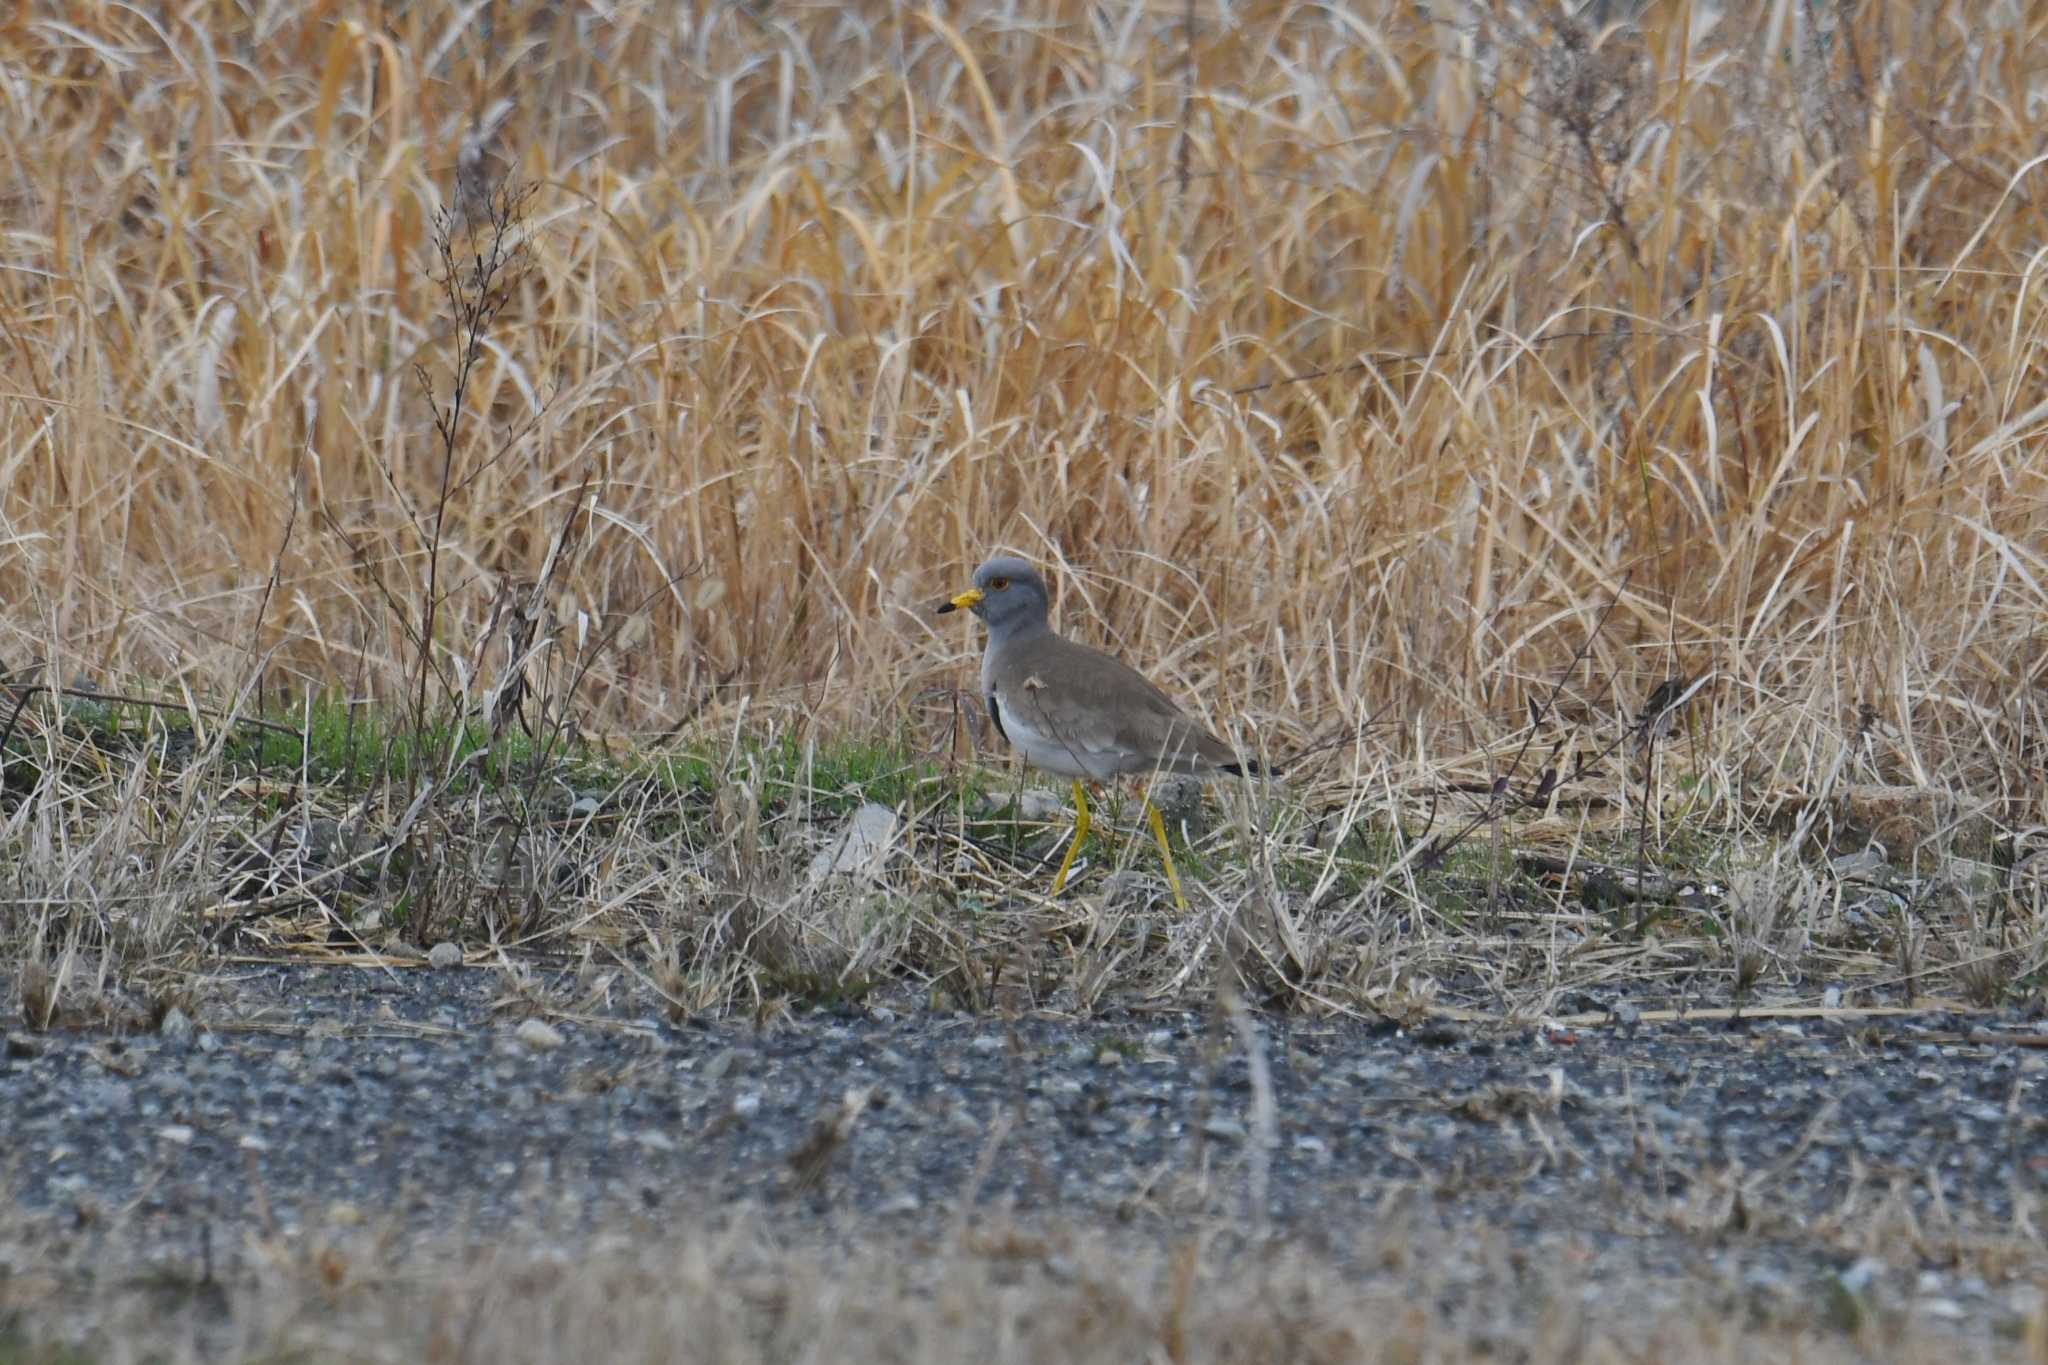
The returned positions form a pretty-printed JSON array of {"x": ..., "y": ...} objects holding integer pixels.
[{"x": 1076, "y": 711}]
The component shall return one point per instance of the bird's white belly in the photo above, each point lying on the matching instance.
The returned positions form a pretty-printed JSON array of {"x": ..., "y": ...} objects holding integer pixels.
[{"x": 1053, "y": 753}]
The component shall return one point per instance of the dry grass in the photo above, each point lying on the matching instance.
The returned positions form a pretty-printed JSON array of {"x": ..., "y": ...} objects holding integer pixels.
[
  {"x": 1428, "y": 393},
  {"x": 1732, "y": 317},
  {"x": 1002, "y": 1292},
  {"x": 1416, "y": 394}
]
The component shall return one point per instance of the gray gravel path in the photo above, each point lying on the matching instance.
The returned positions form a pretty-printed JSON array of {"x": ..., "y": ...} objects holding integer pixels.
[{"x": 1767, "y": 1153}]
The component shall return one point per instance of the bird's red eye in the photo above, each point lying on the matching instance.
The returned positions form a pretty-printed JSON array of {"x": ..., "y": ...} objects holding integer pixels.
[{"x": 998, "y": 584}]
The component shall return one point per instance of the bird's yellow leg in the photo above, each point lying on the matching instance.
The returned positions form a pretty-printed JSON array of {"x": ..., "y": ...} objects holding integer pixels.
[
  {"x": 1159, "y": 833},
  {"x": 1059, "y": 878}
]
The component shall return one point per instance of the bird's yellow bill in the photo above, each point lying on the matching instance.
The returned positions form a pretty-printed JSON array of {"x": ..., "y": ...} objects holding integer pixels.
[{"x": 963, "y": 601}]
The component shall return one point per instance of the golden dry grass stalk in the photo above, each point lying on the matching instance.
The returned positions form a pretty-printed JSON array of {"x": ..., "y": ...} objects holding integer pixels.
[{"x": 1730, "y": 312}]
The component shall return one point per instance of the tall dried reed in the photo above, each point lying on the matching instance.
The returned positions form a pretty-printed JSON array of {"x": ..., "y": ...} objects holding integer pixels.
[{"x": 1730, "y": 313}]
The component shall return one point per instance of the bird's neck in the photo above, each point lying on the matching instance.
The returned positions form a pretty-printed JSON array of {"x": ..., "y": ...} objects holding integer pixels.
[{"x": 1023, "y": 633}]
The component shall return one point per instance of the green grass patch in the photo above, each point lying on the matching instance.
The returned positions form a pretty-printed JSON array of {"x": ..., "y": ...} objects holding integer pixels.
[{"x": 784, "y": 772}]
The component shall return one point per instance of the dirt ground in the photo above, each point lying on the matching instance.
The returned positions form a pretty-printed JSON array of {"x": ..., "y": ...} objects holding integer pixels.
[{"x": 1861, "y": 1181}]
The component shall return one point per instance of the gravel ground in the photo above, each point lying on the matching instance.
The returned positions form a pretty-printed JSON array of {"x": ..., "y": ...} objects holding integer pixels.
[{"x": 1768, "y": 1156}]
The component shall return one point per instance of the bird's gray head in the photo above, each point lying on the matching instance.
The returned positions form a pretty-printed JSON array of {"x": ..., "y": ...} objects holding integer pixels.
[{"x": 1008, "y": 594}]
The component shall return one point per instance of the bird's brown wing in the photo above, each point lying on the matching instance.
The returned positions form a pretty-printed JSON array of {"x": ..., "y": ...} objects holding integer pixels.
[{"x": 1103, "y": 710}]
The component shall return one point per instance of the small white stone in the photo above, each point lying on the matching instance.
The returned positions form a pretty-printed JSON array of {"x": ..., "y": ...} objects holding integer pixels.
[
  {"x": 862, "y": 846},
  {"x": 178, "y": 1133},
  {"x": 1859, "y": 1276},
  {"x": 1042, "y": 805},
  {"x": 444, "y": 955},
  {"x": 539, "y": 1035},
  {"x": 746, "y": 1106}
]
